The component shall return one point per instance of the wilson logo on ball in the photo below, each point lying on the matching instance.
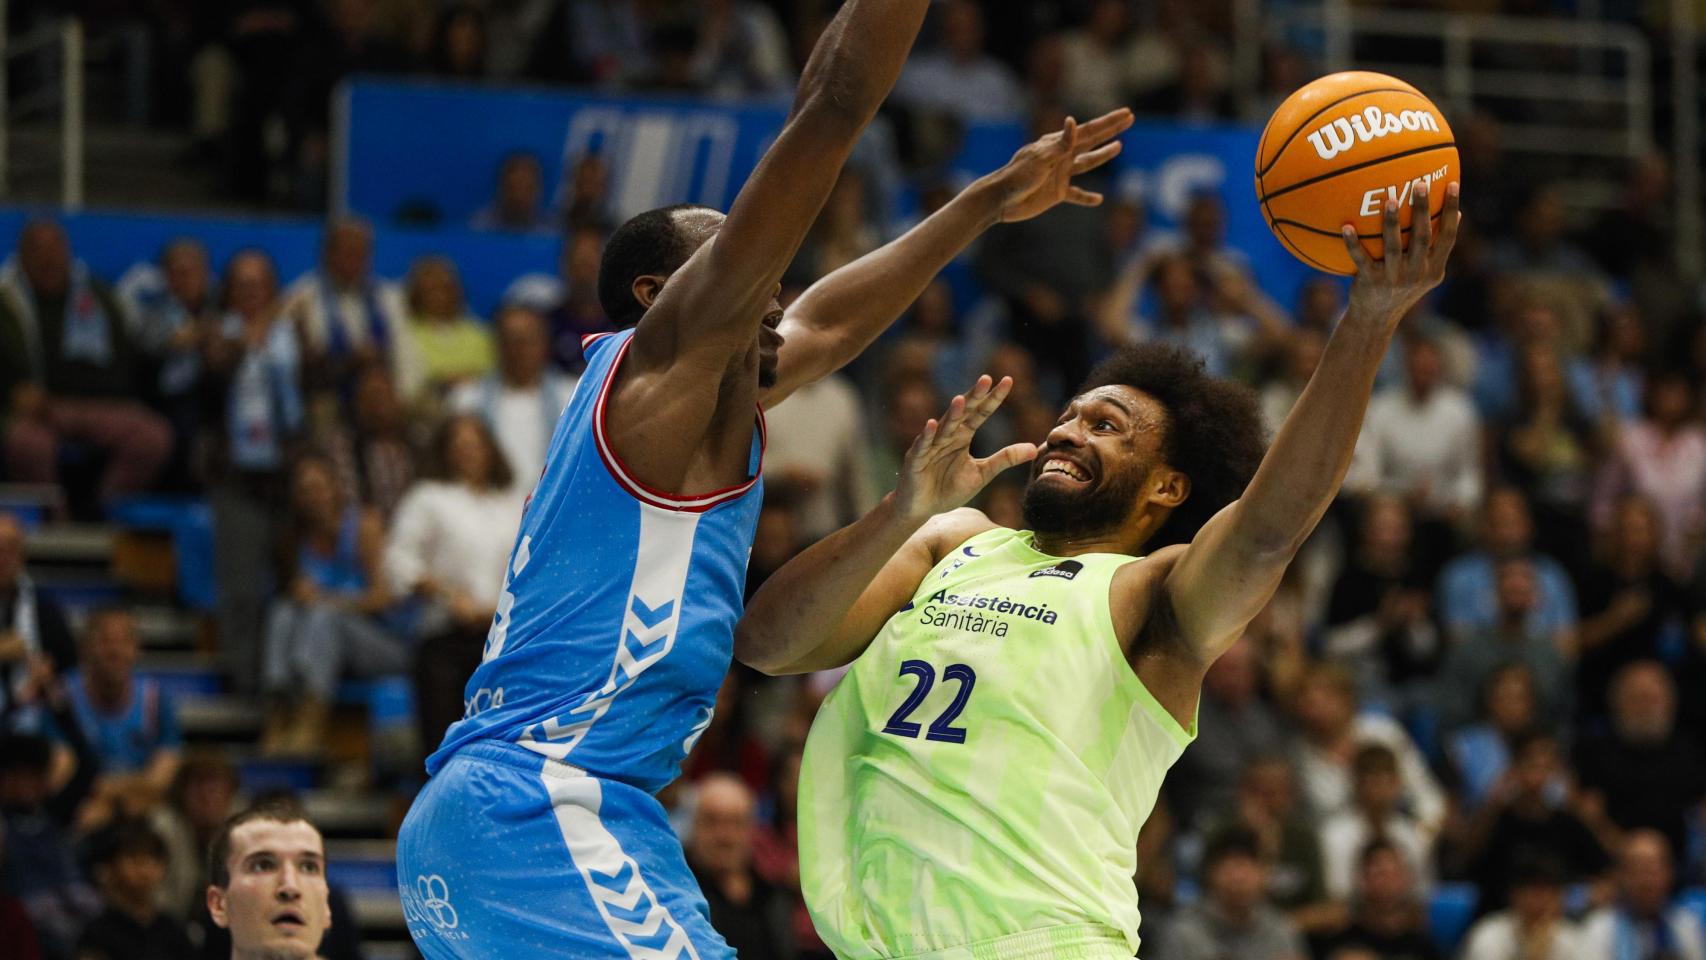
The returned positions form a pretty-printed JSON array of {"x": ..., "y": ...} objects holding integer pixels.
[{"x": 1346, "y": 132}]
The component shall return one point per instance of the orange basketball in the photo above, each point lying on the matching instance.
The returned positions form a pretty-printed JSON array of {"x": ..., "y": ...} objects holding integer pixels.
[{"x": 1334, "y": 152}]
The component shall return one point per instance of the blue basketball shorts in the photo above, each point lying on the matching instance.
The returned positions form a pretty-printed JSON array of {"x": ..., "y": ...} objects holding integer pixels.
[{"x": 506, "y": 854}]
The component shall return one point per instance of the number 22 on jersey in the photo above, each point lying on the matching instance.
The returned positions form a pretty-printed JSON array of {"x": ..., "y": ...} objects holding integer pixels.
[{"x": 942, "y": 728}]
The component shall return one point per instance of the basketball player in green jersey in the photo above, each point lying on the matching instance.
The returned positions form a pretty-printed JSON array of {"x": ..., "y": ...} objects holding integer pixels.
[{"x": 974, "y": 786}]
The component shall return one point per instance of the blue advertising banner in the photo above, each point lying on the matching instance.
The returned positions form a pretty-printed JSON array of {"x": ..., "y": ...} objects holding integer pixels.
[{"x": 412, "y": 146}]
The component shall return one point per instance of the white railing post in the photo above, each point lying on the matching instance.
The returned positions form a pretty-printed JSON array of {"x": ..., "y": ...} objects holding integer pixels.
[
  {"x": 1459, "y": 66},
  {"x": 1685, "y": 95},
  {"x": 1337, "y": 17},
  {"x": 72, "y": 118}
]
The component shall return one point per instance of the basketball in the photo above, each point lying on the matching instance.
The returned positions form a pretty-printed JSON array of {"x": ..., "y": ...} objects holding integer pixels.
[{"x": 1336, "y": 150}]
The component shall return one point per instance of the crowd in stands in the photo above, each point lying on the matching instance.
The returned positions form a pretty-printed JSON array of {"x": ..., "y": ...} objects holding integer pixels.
[{"x": 1486, "y": 667}]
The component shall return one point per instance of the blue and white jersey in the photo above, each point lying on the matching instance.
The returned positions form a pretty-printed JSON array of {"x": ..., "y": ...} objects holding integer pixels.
[{"x": 616, "y": 622}]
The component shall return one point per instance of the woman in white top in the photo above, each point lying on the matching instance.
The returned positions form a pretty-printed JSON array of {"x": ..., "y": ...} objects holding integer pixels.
[{"x": 449, "y": 543}]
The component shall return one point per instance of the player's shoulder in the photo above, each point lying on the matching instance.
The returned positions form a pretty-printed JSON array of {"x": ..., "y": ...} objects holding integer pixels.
[{"x": 946, "y": 532}]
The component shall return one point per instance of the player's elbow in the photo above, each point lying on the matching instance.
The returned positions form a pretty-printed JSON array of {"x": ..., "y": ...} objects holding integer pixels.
[
  {"x": 754, "y": 647},
  {"x": 834, "y": 109}
]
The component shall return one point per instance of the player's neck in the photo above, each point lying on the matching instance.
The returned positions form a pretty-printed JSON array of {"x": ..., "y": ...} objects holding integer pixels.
[{"x": 1128, "y": 538}]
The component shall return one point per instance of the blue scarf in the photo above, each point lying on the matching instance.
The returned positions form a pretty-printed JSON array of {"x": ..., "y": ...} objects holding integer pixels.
[{"x": 337, "y": 334}]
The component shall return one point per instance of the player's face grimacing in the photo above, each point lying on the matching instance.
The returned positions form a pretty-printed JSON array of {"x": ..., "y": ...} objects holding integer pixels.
[{"x": 1088, "y": 474}]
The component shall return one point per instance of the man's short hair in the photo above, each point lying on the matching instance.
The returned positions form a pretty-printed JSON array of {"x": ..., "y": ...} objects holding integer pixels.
[
  {"x": 126, "y": 838},
  {"x": 1374, "y": 758},
  {"x": 1229, "y": 843},
  {"x": 1213, "y": 435},
  {"x": 651, "y": 244},
  {"x": 276, "y": 810}
]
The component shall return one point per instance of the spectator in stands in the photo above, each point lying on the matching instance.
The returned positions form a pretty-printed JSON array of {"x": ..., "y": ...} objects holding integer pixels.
[
  {"x": 329, "y": 624},
  {"x": 1198, "y": 96},
  {"x": 33, "y": 631},
  {"x": 39, "y": 866},
  {"x": 1468, "y": 586},
  {"x": 1642, "y": 772},
  {"x": 569, "y": 301},
  {"x": 1376, "y": 814},
  {"x": 1642, "y": 924},
  {"x": 776, "y": 541},
  {"x": 254, "y": 368},
  {"x": 130, "y": 867},
  {"x": 1480, "y": 753},
  {"x": 730, "y": 742},
  {"x": 1235, "y": 727},
  {"x": 1541, "y": 254},
  {"x": 1608, "y": 383},
  {"x": 375, "y": 452},
  {"x": 1380, "y": 615},
  {"x": 743, "y": 50},
  {"x": 174, "y": 309},
  {"x": 585, "y": 199},
  {"x": 268, "y": 861},
  {"x": 1548, "y": 447},
  {"x": 1333, "y": 730},
  {"x": 1479, "y": 653},
  {"x": 518, "y": 204},
  {"x": 521, "y": 401},
  {"x": 1633, "y": 608},
  {"x": 1534, "y": 927},
  {"x": 1421, "y": 440},
  {"x": 816, "y": 438},
  {"x": 204, "y": 795},
  {"x": 905, "y": 401},
  {"x": 1663, "y": 458},
  {"x": 1184, "y": 313},
  {"x": 1095, "y": 60},
  {"x": 1388, "y": 918},
  {"x": 459, "y": 44},
  {"x": 1233, "y": 919},
  {"x": 16, "y": 929},
  {"x": 344, "y": 315},
  {"x": 776, "y": 849},
  {"x": 444, "y": 343},
  {"x": 1525, "y": 815},
  {"x": 751, "y": 914},
  {"x": 131, "y": 722},
  {"x": 842, "y": 234},
  {"x": 1302, "y": 354},
  {"x": 69, "y": 370},
  {"x": 1268, "y": 806},
  {"x": 956, "y": 76},
  {"x": 449, "y": 546}
]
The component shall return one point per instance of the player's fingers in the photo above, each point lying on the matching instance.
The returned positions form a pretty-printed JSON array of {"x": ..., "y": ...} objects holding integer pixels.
[
  {"x": 1449, "y": 219},
  {"x": 1110, "y": 124},
  {"x": 926, "y": 437},
  {"x": 985, "y": 406},
  {"x": 951, "y": 420},
  {"x": 1353, "y": 245},
  {"x": 1078, "y": 196},
  {"x": 1006, "y": 459},
  {"x": 1389, "y": 234},
  {"x": 1421, "y": 227},
  {"x": 1087, "y": 162}
]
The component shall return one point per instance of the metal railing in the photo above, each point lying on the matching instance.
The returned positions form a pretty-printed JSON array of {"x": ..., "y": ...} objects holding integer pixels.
[
  {"x": 1576, "y": 93},
  {"x": 65, "y": 92}
]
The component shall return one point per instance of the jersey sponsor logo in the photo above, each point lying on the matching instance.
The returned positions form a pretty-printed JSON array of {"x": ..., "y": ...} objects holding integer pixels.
[
  {"x": 1343, "y": 133},
  {"x": 978, "y": 613},
  {"x": 1064, "y": 570},
  {"x": 483, "y": 699}
]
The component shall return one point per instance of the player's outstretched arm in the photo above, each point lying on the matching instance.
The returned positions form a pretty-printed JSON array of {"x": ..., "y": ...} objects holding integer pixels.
[
  {"x": 1231, "y": 569},
  {"x": 857, "y": 578},
  {"x": 703, "y": 321},
  {"x": 838, "y": 317}
]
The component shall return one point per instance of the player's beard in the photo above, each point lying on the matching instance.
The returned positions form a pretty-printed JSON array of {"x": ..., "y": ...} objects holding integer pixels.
[{"x": 1070, "y": 513}]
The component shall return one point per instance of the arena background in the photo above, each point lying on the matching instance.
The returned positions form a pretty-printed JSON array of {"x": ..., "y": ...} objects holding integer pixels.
[{"x": 1492, "y": 654}]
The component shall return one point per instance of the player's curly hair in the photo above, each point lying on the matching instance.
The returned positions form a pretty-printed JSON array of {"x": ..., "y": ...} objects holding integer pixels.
[
  {"x": 652, "y": 243},
  {"x": 1214, "y": 431}
]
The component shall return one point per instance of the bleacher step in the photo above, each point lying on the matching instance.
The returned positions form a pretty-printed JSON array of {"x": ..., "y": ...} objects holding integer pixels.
[{"x": 72, "y": 543}]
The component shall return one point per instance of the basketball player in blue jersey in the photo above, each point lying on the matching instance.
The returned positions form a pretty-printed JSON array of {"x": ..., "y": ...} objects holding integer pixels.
[{"x": 538, "y": 834}]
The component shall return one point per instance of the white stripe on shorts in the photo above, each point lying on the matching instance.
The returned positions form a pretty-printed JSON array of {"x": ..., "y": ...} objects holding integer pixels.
[{"x": 629, "y": 907}]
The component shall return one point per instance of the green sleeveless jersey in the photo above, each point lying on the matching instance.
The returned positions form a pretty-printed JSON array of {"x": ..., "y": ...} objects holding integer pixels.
[{"x": 972, "y": 789}]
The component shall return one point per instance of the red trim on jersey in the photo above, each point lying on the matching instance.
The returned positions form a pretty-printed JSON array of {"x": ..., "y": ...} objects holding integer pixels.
[
  {"x": 698, "y": 503},
  {"x": 588, "y": 339}
]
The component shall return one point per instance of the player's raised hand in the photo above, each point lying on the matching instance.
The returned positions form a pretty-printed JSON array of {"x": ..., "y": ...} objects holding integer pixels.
[
  {"x": 940, "y": 473},
  {"x": 1390, "y": 286},
  {"x": 1039, "y": 176}
]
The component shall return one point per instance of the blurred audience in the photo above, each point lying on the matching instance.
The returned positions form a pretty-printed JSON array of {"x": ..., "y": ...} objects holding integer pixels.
[
  {"x": 130, "y": 721},
  {"x": 1642, "y": 924},
  {"x": 34, "y": 635},
  {"x": 751, "y": 914},
  {"x": 130, "y": 867},
  {"x": 1534, "y": 927},
  {"x": 521, "y": 401},
  {"x": 1233, "y": 918},
  {"x": 443, "y": 343}
]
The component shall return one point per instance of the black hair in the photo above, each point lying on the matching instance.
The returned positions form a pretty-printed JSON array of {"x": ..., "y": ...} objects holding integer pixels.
[
  {"x": 1214, "y": 433},
  {"x": 651, "y": 243},
  {"x": 1376, "y": 847},
  {"x": 126, "y": 838},
  {"x": 22, "y": 752},
  {"x": 1228, "y": 843},
  {"x": 1374, "y": 758}
]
